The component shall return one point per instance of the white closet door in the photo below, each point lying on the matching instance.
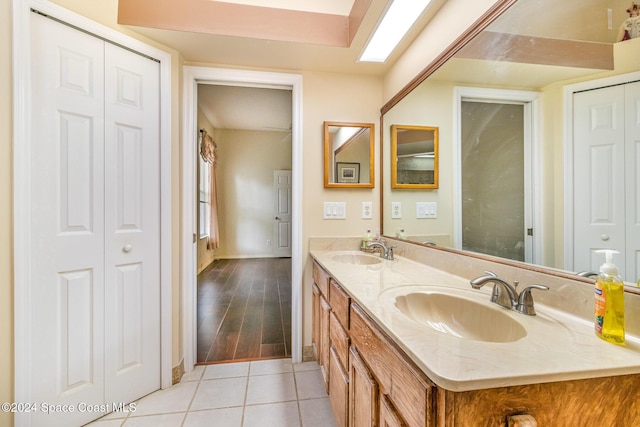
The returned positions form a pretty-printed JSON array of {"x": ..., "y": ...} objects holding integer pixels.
[
  {"x": 632, "y": 170},
  {"x": 599, "y": 153},
  {"x": 95, "y": 314},
  {"x": 132, "y": 225},
  {"x": 67, "y": 227}
]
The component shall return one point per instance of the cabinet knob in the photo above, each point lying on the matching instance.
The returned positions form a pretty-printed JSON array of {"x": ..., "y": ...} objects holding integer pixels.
[
  {"x": 604, "y": 237},
  {"x": 127, "y": 248},
  {"x": 521, "y": 421}
]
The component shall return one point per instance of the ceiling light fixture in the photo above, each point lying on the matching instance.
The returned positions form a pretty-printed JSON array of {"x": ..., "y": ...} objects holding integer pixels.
[{"x": 396, "y": 22}]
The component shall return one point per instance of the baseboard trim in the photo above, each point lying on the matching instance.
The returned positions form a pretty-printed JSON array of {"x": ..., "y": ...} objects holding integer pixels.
[
  {"x": 177, "y": 372},
  {"x": 307, "y": 354}
]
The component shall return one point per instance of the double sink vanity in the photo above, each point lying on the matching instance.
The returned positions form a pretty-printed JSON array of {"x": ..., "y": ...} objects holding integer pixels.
[{"x": 410, "y": 342}]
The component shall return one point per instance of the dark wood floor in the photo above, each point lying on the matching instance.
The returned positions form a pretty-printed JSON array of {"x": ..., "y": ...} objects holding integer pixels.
[{"x": 244, "y": 310}]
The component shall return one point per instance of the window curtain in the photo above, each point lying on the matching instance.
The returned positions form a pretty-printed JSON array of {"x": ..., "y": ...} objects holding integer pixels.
[{"x": 209, "y": 155}]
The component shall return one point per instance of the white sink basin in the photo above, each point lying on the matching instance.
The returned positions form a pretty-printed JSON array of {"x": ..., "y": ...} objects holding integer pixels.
[
  {"x": 357, "y": 258},
  {"x": 454, "y": 313}
]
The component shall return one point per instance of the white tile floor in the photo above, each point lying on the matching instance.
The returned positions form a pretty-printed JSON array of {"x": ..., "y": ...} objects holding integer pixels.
[{"x": 250, "y": 394}]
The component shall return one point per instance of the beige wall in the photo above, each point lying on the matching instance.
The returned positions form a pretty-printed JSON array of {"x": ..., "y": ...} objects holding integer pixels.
[
  {"x": 244, "y": 175},
  {"x": 430, "y": 104},
  {"x": 360, "y": 99},
  {"x": 6, "y": 225}
]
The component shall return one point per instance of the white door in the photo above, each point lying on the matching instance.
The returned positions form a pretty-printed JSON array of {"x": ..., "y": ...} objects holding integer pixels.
[
  {"x": 282, "y": 217},
  {"x": 599, "y": 178},
  {"x": 632, "y": 171},
  {"x": 94, "y": 227},
  {"x": 132, "y": 225}
]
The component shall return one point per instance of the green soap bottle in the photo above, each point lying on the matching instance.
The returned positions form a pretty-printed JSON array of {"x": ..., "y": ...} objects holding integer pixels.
[{"x": 609, "y": 302}]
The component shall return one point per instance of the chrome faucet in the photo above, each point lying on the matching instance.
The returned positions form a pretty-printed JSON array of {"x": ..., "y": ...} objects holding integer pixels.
[
  {"x": 506, "y": 295},
  {"x": 386, "y": 252},
  {"x": 587, "y": 274}
]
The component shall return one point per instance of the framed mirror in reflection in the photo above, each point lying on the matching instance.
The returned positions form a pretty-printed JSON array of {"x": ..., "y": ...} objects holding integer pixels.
[
  {"x": 348, "y": 155},
  {"x": 414, "y": 157},
  {"x": 531, "y": 60}
]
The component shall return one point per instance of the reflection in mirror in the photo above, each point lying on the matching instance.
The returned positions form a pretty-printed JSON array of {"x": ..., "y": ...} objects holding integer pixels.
[
  {"x": 348, "y": 155},
  {"x": 529, "y": 49},
  {"x": 414, "y": 157}
]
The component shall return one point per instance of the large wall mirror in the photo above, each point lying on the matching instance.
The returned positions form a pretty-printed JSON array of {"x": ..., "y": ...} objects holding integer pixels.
[
  {"x": 414, "y": 157},
  {"x": 506, "y": 110},
  {"x": 348, "y": 155}
]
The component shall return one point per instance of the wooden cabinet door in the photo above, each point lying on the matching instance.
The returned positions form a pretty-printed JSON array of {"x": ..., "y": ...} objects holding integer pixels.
[
  {"x": 338, "y": 390},
  {"x": 389, "y": 417},
  {"x": 316, "y": 339},
  {"x": 325, "y": 312},
  {"x": 363, "y": 393}
]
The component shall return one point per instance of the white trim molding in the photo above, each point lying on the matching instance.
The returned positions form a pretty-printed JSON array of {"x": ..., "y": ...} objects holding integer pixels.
[
  {"x": 22, "y": 11},
  {"x": 230, "y": 77}
]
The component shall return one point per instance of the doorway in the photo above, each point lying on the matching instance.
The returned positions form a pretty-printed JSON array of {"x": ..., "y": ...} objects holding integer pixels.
[
  {"x": 244, "y": 279},
  {"x": 203, "y": 75},
  {"x": 494, "y": 181}
]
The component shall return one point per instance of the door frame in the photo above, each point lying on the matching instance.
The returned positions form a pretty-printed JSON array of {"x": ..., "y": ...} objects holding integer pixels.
[
  {"x": 532, "y": 164},
  {"x": 569, "y": 90},
  {"x": 22, "y": 186},
  {"x": 192, "y": 76}
]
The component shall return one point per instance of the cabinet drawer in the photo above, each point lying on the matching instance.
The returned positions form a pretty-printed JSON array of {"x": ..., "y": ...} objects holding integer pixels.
[
  {"x": 339, "y": 301},
  {"x": 339, "y": 341},
  {"x": 338, "y": 391},
  {"x": 407, "y": 387},
  {"x": 321, "y": 278},
  {"x": 363, "y": 393}
]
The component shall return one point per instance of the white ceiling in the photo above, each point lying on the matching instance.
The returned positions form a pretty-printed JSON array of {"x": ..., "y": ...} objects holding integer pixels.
[
  {"x": 233, "y": 107},
  {"x": 334, "y": 7},
  {"x": 240, "y": 108}
]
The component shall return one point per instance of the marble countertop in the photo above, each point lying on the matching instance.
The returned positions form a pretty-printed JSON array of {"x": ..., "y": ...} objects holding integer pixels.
[{"x": 557, "y": 347}]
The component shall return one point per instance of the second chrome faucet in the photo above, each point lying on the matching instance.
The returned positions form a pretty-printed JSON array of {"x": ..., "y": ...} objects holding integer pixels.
[{"x": 506, "y": 295}]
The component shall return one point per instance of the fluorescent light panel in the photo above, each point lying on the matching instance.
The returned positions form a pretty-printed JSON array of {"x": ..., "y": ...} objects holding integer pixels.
[{"x": 395, "y": 24}]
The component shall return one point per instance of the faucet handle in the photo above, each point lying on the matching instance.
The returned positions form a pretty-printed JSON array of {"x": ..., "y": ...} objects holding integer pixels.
[{"x": 525, "y": 299}]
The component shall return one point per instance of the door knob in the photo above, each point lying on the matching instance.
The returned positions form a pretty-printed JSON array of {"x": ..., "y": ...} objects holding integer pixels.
[{"x": 127, "y": 248}]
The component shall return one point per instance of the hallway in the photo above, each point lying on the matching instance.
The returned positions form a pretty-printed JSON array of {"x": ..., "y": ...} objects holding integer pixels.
[{"x": 244, "y": 310}]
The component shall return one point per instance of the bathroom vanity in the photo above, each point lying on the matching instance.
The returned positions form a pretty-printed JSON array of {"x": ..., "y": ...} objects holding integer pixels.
[{"x": 394, "y": 351}]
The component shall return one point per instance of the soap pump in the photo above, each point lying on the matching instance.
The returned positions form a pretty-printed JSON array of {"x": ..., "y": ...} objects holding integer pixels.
[
  {"x": 609, "y": 301},
  {"x": 366, "y": 239}
]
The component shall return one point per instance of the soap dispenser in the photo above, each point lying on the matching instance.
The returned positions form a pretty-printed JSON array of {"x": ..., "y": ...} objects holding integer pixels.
[
  {"x": 609, "y": 301},
  {"x": 366, "y": 239}
]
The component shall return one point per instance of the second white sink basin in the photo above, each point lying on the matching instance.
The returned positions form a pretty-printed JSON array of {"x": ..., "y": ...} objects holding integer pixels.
[
  {"x": 357, "y": 258},
  {"x": 457, "y": 315}
]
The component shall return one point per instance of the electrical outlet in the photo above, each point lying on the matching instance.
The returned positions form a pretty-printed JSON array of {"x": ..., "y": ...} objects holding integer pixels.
[
  {"x": 367, "y": 210},
  {"x": 396, "y": 210}
]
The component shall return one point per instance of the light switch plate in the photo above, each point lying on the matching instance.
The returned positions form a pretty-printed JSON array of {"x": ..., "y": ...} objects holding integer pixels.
[
  {"x": 396, "y": 210},
  {"x": 426, "y": 210},
  {"x": 335, "y": 210},
  {"x": 367, "y": 210}
]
